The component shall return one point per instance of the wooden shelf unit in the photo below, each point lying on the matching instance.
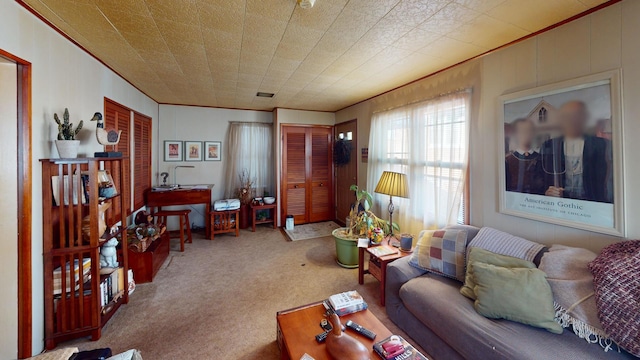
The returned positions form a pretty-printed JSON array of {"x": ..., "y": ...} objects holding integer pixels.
[{"x": 75, "y": 310}]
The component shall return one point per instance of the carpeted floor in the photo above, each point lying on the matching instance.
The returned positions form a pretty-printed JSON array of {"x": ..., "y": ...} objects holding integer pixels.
[
  {"x": 218, "y": 299},
  {"x": 311, "y": 231}
]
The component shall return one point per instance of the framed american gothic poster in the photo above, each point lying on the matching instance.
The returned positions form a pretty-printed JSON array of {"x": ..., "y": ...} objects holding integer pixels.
[{"x": 562, "y": 154}]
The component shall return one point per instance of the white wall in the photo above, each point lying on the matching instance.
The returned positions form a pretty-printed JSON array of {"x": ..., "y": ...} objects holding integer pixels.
[
  {"x": 193, "y": 123},
  {"x": 62, "y": 76},
  {"x": 601, "y": 41},
  {"x": 298, "y": 117},
  {"x": 9, "y": 210}
]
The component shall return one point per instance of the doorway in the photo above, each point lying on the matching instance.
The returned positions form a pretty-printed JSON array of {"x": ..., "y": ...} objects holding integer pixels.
[
  {"x": 347, "y": 174},
  {"x": 15, "y": 173}
]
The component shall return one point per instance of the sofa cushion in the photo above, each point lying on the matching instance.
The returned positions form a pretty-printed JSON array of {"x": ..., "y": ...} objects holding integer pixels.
[
  {"x": 436, "y": 302},
  {"x": 502, "y": 243},
  {"x": 516, "y": 294},
  {"x": 487, "y": 257},
  {"x": 441, "y": 252}
]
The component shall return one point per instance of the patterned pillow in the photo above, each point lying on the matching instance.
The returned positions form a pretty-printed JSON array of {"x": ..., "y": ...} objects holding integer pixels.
[
  {"x": 502, "y": 243},
  {"x": 442, "y": 252}
]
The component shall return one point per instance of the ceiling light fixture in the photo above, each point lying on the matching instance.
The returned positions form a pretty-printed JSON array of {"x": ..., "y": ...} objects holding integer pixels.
[
  {"x": 306, "y": 4},
  {"x": 264, "y": 94}
]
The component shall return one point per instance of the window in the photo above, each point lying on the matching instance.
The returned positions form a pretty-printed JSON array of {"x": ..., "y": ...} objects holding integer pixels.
[
  {"x": 142, "y": 158},
  {"x": 429, "y": 142},
  {"x": 118, "y": 117},
  {"x": 542, "y": 115},
  {"x": 249, "y": 149}
]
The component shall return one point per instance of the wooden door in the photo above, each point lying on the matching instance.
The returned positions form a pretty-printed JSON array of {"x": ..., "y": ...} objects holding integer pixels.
[
  {"x": 321, "y": 176},
  {"x": 346, "y": 175},
  {"x": 294, "y": 173},
  {"x": 307, "y": 173}
]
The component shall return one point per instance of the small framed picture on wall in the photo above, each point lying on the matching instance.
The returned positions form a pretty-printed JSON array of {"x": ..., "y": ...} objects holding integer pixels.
[
  {"x": 172, "y": 150},
  {"x": 213, "y": 151},
  {"x": 192, "y": 151}
]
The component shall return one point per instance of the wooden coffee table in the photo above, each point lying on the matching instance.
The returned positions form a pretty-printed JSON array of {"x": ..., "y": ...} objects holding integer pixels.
[{"x": 298, "y": 327}]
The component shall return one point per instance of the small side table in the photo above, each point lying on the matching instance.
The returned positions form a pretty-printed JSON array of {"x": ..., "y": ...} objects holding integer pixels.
[
  {"x": 377, "y": 268},
  {"x": 271, "y": 219},
  {"x": 225, "y": 221}
]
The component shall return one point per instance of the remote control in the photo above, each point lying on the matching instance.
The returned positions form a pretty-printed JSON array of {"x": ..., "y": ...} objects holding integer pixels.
[
  {"x": 360, "y": 330},
  {"x": 320, "y": 338},
  {"x": 325, "y": 325}
]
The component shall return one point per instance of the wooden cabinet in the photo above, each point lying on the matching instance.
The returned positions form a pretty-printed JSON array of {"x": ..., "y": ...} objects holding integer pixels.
[
  {"x": 307, "y": 173},
  {"x": 71, "y": 247}
]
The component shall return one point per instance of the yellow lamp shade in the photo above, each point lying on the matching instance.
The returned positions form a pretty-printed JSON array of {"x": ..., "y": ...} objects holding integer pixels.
[{"x": 393, "y": 184}]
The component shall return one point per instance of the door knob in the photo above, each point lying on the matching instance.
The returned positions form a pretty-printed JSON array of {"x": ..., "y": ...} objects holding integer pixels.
[
  {"x": 321, "y": 184},
  {"x": 295, "y": 186}
]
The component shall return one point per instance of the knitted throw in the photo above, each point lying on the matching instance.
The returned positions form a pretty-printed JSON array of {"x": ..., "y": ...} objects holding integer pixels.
[{"x": 616, "y": 281}]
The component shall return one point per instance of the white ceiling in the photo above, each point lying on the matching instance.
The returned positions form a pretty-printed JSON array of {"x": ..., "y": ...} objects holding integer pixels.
[{"x": 221, "y": 52}]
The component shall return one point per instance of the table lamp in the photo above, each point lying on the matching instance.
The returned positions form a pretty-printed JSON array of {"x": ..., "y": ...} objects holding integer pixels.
[{"x": 392, "y": 184}]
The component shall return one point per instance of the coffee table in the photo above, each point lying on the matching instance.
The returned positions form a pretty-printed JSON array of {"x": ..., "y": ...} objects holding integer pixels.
[{"x": 298, "y": 327}]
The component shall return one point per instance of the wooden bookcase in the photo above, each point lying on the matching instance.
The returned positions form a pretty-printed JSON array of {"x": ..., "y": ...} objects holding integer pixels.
[{"x": 74, "y": 308}]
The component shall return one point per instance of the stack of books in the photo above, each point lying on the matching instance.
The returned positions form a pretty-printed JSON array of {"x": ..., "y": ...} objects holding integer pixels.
[
  {"x": 347, "y": 303},
  {"x": 112, "y": 287},
  {"x": 409, "y": 353},
  {"x": 383, "y": 250},
  {"x": 57, "y": 276}
]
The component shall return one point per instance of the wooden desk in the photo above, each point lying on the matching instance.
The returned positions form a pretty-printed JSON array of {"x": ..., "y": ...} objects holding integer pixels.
[{"x": 159, "y": 199}]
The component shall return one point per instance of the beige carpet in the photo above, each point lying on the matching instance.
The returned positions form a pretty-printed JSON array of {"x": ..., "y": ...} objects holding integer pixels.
[
  {"x": 218, "y": 299},
  {"x": 311, "y": 231}
]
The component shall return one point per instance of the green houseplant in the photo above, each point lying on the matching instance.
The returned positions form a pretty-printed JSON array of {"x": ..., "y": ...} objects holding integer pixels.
[
  {"x": 362, "y": 223},
  {"x": 66, "y": 142}
]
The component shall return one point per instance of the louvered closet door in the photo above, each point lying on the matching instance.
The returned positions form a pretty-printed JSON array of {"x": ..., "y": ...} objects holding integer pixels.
[
  {"x": 321, "y": 197},
  {"x": 294, "y": 174}
]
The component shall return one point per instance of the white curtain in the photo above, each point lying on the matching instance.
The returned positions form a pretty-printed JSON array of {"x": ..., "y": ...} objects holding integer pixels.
[
  {"x": 249, "y": 147},
  {"x": 428, "y": 141}
]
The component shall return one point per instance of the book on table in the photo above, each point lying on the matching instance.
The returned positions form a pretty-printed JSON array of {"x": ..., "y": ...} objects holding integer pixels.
[
  {"x": 347, "y": 303},
  {"x": 383, "y": 250},
  {"x": 409, "y": 353}
]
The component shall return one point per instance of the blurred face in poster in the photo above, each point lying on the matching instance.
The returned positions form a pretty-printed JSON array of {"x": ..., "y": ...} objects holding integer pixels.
[
  {"x": 524, "y": 134},
  {"x": 573, "y": 119}
]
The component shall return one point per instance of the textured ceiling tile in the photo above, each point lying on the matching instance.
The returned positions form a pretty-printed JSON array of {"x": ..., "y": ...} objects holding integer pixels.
[
  {"x": 221, "y": 39},
  {"x": 487, "y": 32},
  {"x": 413, "y": 12},
  {"x": 353, "y": 24},
  {"x": 447, "y": 48},
  {"x": 174, "y": 10},
  {"x": 220, "y": 18},
  {"x": 136, "y": 7},
  {"x": 416, "y": 39},
  {"x": 533, "y": 16},
  {"x": 480, "y": 5},
  {"x": 256, "y": 26},
  {"x": 280, "y": 10},
  {"x": 448, "y": 19},
  {"x": 284, "y": 64},
  {"x": 381, "y": 8},
  {"x": 146, "y": 43},
  {"x": 320, "y": 17},
  {"x": 385, "y": 32}
]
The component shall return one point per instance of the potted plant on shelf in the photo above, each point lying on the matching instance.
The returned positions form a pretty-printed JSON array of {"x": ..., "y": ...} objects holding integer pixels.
[
  {"x": 66, "y": 143},
  {"x": 245, "y": 195},
  {"x": 363, "y": 223}
]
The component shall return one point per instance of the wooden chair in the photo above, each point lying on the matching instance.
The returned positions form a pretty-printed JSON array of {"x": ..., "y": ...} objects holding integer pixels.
[{"x": 184, "y": 223}]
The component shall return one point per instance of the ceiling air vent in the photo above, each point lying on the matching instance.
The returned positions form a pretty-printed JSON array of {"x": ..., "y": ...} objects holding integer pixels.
[
  {"x": 306, "y": 4},
  {"x": 265, "y": 94}
]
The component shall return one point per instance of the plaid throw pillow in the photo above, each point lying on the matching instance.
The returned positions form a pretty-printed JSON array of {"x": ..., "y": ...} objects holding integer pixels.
[{"x": 442, "y": 252}]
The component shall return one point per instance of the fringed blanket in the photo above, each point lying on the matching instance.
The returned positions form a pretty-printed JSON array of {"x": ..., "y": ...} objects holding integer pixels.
[
  {"x": 572, "y": 285},
  {"x": 616, "y": 280}
]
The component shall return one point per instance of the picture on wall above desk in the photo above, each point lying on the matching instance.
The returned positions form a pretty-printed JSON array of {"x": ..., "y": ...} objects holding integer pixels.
[
  {"x": 172, "y": 150},
  {"x": 213, "y": 151},
  {"x": 192, "y": 151}
]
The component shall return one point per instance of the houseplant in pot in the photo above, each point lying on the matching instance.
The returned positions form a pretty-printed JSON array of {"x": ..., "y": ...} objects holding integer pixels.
[
  {"x": 66, "y": 142},
  {"x": 363, "y": 223}
]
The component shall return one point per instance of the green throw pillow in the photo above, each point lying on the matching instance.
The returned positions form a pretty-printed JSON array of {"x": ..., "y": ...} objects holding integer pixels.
[
  {"x": 516, "y": 294},
  {"x": 487, "y": 257}
]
